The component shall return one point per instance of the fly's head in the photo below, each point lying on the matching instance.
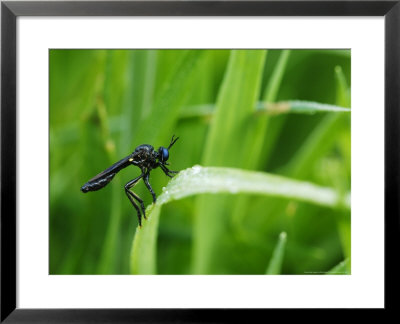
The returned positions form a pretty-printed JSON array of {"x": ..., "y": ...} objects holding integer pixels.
[{"x": 163, "y": 153}]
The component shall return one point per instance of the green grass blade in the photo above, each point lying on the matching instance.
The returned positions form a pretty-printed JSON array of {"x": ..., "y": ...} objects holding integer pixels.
[
  {"x": 235, "y": 103},
  {"x": 173, "y": 94},
  {"x": 260, "y": 134},
  {"x": 318, "y": 143},
  {"x": 274, "y": 83},
  {"x": 275, "y": 264},
  {"x": 298, "y": 107},
  {"x": 210, "y": 180},
  {"x": 107, "y": 261},
  {"x": 169, "y": 101},
  {"x": 244, "y": 109},
  {"x": 137, "y": 98},
  {"x": 341, "y": 268},
  {"x": 218, "y": 180},
  {"x": 343, "y": 223},
  {"x": 342, "y": 89},
  {"x": 263, "y": 107},
  {"x": 323, "y": 136},
  {"x": 144, "y": 248},
  {"x": 273, "y": 129},
  {"x": 198, "y": 111},
  {"x": 233, "y": 118}
]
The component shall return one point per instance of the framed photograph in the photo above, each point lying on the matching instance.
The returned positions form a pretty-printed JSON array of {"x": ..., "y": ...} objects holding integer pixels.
[{"x": 160, "y": 158}]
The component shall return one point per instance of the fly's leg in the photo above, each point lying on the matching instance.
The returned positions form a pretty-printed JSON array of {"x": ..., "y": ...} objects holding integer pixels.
[
  {"x": 168, "y": 172},
  {"x": 132, "y": 196},
  {"x": 147, "y": 183},
  {"x": 129, "y": 185},
  {"x": 136, "y": 207}
]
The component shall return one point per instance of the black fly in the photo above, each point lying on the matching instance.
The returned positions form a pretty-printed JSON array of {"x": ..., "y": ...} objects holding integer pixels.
[{"x": 147, "y": 159}]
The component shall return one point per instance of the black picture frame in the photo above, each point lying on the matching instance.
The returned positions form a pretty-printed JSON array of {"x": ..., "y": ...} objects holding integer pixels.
[{"x": 10, "y": 10}]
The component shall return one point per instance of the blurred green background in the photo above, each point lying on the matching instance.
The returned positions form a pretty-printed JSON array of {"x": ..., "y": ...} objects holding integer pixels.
[{"x": 104, "y": 103}]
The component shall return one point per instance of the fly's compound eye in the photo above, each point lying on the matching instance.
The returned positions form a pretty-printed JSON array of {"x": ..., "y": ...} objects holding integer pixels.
[{"x": 164, "y": 154}]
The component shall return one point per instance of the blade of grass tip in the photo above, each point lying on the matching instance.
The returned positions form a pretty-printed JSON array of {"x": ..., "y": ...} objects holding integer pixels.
[
  {"x": 342, "y": 90},
  {"x": 234, "y": 109},
  {"x": 341, "y": 268},
  {"x": 214, "y": 180},
  {"x": 275, "y": 264}
]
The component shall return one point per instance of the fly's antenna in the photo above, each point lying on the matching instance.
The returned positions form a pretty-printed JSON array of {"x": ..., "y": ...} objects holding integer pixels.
[{"x": 172, "y": 141}]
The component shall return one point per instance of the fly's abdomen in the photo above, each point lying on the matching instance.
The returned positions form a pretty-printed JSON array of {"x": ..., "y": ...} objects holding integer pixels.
[
  {"x": 97, "y": 184},
  {"x": 103, "y": 178}
]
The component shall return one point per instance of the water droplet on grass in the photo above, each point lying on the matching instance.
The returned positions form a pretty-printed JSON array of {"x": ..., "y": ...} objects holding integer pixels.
[{"x": 196, "y": 169}]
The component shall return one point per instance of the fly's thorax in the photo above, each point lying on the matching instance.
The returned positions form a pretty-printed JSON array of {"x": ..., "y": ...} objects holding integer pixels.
[
  {"x": 144, "y": 148},
  {"x": 144, "y": 156}
]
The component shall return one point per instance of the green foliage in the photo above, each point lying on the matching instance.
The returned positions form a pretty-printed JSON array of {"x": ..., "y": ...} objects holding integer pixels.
[
  {"x": 275, "y": 265},
  {"x": 234, "y": 119},
  {"x": 341, "y": 268},
  {"x": 276, "y": 116},
  {"x": 144, "y": 247},
  {"x": 202, "y": 180},
  {"x": 206, "y": 112}
]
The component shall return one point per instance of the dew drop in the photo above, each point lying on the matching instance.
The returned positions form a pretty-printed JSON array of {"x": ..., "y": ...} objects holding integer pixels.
[{"x": 196, "y": 169}]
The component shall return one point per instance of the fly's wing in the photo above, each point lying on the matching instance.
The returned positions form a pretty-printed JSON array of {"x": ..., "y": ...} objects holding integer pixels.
[
  {"x": 102, "y": 179},
  {"x": 116, "y": 167}
]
